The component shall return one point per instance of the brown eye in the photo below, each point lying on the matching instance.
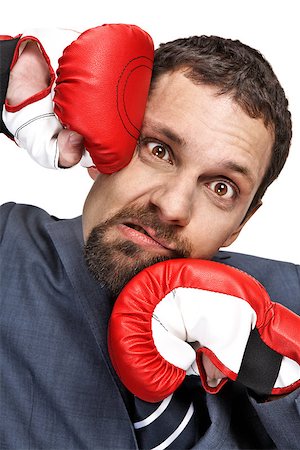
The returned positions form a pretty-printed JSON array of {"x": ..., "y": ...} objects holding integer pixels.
[
  {"x": 222, "y": 189},
  {"x": 159, "y": 151}
]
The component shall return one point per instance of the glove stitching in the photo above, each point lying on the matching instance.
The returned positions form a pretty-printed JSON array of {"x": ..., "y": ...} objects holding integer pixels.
[
  {"x": 267, "y": 314},
  {"x": 155, "y": 317},
  {"x": 245, "y": 273},
  {"x": 123, "y": 92},
  {"x": 42, "y": 116},
  {"x": 182, "y": 319}
]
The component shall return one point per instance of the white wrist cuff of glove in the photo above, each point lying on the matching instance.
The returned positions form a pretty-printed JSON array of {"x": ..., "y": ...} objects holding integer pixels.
[{"x": 35, "y": 128}]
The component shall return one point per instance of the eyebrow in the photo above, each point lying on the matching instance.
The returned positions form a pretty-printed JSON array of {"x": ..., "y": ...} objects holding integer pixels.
[
  {"x": 165, "y": 131},
  {"x": 238, "y": 168}
]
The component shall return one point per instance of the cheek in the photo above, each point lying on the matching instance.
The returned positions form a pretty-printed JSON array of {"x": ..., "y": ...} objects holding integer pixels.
[
  {"x": 111, "y": 193},
  {"x": 97, "y": 203},
  {"x": 207, "y": 235},
  {"x": 102, "y": 199}
]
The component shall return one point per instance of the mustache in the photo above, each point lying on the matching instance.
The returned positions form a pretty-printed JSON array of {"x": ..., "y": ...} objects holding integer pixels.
[{"x": 147, "y": 216}]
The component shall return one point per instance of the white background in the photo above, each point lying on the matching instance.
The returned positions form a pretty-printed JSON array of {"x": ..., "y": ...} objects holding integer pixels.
[{"x": 271, "y": 26}]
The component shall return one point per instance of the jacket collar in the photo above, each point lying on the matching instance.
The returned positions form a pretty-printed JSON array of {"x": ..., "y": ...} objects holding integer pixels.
[
  {"x": 95, "y": 300},
  {"x": 221, "y": 256}
]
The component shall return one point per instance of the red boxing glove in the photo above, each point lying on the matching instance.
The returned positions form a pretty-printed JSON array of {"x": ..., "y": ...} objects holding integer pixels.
[
  {"x": 99, "y": 82},
  {"x": 102, "y": 88},
  {"x": 173, "y": 312}
]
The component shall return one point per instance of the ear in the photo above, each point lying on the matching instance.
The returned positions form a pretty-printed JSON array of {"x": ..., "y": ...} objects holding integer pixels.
[
  {"x": 93, "y": 172},
  {"x": 235, "y": 234}
]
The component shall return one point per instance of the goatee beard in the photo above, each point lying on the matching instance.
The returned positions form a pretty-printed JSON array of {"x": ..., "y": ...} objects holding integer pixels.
[{"x": 114, "y": 263}]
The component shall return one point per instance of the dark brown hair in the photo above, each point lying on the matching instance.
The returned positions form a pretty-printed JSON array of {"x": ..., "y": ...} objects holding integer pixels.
[{"x": 242, "y": 72}]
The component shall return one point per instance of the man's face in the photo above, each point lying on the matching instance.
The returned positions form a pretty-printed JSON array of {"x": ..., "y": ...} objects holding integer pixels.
[{"x": 185, "y": 193}]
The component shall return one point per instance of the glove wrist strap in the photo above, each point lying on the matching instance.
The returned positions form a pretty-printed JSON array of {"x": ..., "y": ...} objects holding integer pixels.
[{"x": 260, "y": 365}]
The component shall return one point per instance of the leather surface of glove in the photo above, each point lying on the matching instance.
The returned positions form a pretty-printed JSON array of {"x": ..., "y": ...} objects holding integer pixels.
[
  {"x": 172, "y": 313},
  {"x": 99, "y": 82}
]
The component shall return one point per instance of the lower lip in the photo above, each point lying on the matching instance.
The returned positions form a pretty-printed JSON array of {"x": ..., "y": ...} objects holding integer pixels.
[{"x": 139, "y": 238}]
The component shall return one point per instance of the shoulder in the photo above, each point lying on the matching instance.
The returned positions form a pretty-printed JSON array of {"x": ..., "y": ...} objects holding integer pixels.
[
  {"x": 22, "y": 217},
  {"x": 281, "y": 279},
  {"x": 23, "y": 227}
]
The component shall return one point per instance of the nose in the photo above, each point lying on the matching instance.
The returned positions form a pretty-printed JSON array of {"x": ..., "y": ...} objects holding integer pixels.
[{"x": 174, "y": 200}]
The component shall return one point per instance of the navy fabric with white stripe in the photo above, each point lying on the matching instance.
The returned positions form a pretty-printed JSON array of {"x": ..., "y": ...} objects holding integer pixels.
[{"x": 177, "y": 422}]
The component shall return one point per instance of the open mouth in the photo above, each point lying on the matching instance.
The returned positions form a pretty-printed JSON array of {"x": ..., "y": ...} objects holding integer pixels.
[{"x": 137, "y": 228}]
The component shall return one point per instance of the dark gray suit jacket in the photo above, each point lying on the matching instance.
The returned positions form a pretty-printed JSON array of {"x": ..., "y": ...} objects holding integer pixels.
[{"x": 58, "y": 388}]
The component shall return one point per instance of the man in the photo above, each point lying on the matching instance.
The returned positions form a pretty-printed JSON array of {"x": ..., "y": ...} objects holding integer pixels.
[{"x": 216, "y": 133}]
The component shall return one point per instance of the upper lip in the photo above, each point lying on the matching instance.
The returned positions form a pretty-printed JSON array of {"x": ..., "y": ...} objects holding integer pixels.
[{"x": 151, "y": 232}]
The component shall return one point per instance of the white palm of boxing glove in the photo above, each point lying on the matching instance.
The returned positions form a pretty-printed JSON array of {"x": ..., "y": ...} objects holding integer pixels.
[
  {"x": 33, "y": 123},
  {"x": 189, "y": 322},
  {"x": 174, "y": 314}
]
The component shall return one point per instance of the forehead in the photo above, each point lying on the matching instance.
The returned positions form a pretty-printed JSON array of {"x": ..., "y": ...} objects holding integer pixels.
[
  {"x": 214, "y": 126},
  {"x": 176, "y": 89}
]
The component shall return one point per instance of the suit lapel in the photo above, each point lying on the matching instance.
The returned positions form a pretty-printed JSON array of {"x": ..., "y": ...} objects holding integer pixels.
[
  {"x": 221, "y": 256},
  {"x": 95, "y": 300}
]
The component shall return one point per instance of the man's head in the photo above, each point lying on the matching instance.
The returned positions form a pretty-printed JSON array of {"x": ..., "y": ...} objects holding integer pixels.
[
  {"x": 216, "y": 132},
  {"x": 241, "y": 72}
]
